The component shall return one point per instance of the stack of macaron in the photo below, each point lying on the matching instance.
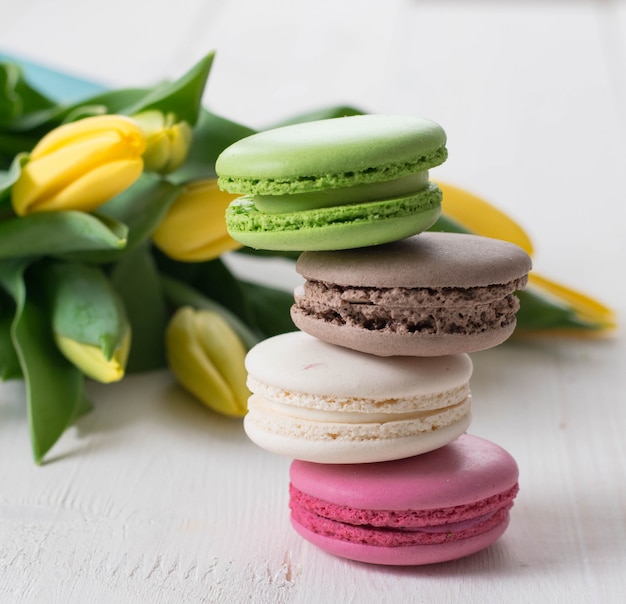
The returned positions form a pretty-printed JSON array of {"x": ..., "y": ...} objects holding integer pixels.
[{"x": 370, "y": 396}]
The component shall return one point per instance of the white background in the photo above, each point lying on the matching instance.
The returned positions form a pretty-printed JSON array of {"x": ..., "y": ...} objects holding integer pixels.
[{"x": 153, "y": 498}]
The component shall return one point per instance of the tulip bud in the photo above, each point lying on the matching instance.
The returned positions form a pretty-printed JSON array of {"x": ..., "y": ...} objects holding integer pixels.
[
  {"x": 80, "y": 166},
  {"x": 88, "y": 319},
  {"x": 91, "y": 360},
  {"x": 167, "y": 141},
  {"x": 207, "y": 358},
  {"x": 194, "y": 228}
]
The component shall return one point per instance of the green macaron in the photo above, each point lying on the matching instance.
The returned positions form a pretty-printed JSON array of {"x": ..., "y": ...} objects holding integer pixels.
[{"x": 333, "y": 184}]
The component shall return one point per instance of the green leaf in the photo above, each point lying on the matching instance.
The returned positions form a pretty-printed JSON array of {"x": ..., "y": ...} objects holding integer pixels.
[
  {"x": 183, "y": 97},
  {"x": 141, "y": 209},
  {"x": 10, "y": 101},
  {"x": 7, "y": 179},
  {"x": 38, "y": 123},
  {"x": 58, "y": 233},
  {"x": 320, "y": 114},
  {"x": 263, "y": 310},
  {"x": 54, "y": 387},
  {"x": 22, "y": 129},
  {"x": 84, "y": 111},
  {"x": 137, "y": 281},
  {"x": 12, "y": 145},
  {"x": 9, "y": 363},
  {"x": 271, "y": 308},
  {"x": 180, "y": 294},
  {"x": 56, "y": 86},
  {"x": 538, "y": 312},
  {"x": 212, "y": 134},
  {"x": 84, "y": 306},
  {"x": 17, "y": 97},
  {"x": 213, "y": 279}
]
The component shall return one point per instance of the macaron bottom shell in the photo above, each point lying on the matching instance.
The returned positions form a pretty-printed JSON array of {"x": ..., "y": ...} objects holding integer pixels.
[
  {"x": 334, "y": 228},
  {"x": 408, "y": 555},
  {"x": 390, "y": 343},
  {"x": 352, "y": 451}
]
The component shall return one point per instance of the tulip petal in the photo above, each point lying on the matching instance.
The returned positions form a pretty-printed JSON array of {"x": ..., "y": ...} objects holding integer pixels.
[
  {"x": 212, "y": 249},
  {"x": 167, "y": 141},
  {"x": 227, "y": 353},
  {"x": 97, "y": 186},
  {"x": 586, "y": 308},
  {"x": 48, "y": 174},
  {"x": 68, "y": 168},
  {"x": 194, "y": 228},
  {"x": 199, "y": 377},
  {"x": 207, "y": 358},
  {"x": 481, "y": 217},
  {"x": 181, "y": 136},
  {"x": 91, "y": 361},
  {"x": 126, "y": 129}
]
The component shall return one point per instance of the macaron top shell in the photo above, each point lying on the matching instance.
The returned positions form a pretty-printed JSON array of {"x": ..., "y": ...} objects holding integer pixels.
[
  {"x": 299, "y": 363},
  {"x": 330, "y": 153},
  {"x": 468, "y": 470},
  {"x": 430, "y": 259}
]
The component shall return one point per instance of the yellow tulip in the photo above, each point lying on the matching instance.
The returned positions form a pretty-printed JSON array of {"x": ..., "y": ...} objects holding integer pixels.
[
  {"x": 480, "y": 217},
  {"x": 194, "y": 228},
  {"x": 207, "y": 358},
  {"x": 91, "y": 360},
  {"x": 167, "y": 140},
  {"x": 80, "y": 165}
]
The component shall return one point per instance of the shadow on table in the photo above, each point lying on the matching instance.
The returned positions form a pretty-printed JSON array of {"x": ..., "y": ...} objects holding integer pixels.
[
  {"x": 544, "y": 540},
  {"x": 149, "y": 406}
]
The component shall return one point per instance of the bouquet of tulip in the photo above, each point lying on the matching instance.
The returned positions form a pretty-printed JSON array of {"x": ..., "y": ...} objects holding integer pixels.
[{"x": 111, "y": 237}]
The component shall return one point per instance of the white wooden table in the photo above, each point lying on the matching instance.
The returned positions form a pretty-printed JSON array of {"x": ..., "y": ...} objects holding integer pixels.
[{"x": 154, "y": 499}]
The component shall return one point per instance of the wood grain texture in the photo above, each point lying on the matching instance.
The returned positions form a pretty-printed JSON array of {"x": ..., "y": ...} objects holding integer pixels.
[{"x": 152, "y": 498}]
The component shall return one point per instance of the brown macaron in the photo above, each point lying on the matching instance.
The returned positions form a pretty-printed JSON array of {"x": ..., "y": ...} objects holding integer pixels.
[{"x": 429, "y": 295}]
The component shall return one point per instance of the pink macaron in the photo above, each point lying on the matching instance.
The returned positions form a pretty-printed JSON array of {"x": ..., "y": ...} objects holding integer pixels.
[{"x": 434, "y": 507}]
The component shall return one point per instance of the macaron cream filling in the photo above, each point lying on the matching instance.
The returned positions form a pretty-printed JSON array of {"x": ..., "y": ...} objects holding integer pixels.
[
  {"x": 427, "y": 400},
  {"x": 428, "y": 310},
  {"x": 328, "y": 417},
  {"x": 359, "y": 193},
  {"x": 326, "y": 426}
]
